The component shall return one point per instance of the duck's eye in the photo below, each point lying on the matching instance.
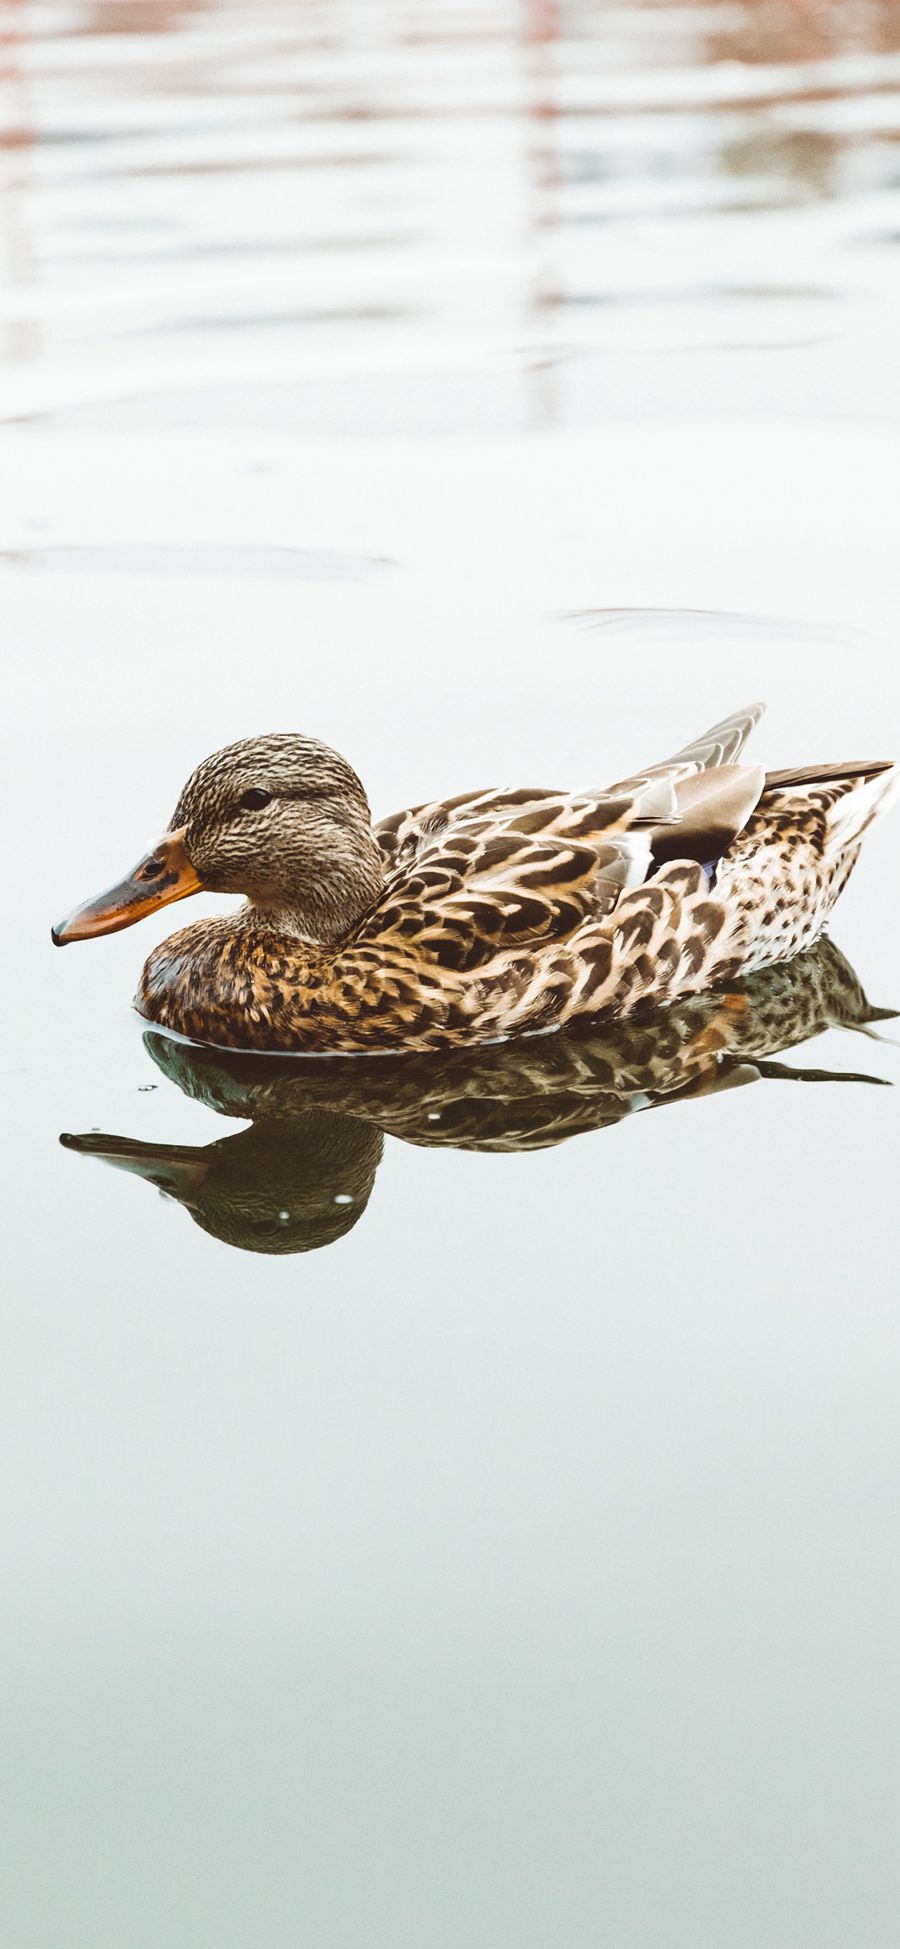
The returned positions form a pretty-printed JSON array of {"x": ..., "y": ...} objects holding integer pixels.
[{"x": 255, "y": 799}]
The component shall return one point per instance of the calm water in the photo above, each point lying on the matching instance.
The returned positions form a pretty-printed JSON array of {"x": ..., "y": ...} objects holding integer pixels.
[{"x": 499, "y": 1549}]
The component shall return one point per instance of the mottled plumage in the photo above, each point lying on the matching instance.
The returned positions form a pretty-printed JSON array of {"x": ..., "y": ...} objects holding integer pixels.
[
  {"x": 304, "y": 1171},
  {"x": 496, "y": 914}
]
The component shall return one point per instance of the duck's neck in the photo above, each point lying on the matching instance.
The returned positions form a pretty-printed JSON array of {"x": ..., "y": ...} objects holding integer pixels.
[{"x": 326, "y": 910}]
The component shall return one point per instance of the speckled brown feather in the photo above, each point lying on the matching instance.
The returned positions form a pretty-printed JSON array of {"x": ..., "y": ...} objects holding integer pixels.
[
  {"x": 506, "y": 913},
  {"x": 539, "y": 1089},
  {"x": 302, "y": 1174}
]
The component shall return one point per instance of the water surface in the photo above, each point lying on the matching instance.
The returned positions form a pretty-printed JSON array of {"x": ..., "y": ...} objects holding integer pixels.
[{"x": 507, "y": 1555}]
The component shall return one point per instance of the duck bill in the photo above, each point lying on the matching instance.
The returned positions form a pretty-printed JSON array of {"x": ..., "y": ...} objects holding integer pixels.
[
  {"x": 177, "y": 1169},
  {"x": 164, "y": 875}
]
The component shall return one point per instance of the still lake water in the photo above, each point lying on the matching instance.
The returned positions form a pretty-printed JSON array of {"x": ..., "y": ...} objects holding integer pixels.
[{"x": 508, "y": 1556}]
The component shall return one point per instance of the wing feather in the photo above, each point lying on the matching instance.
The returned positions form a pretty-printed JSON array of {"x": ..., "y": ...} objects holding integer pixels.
[
  {"x": 468, "y": 878},
  {"x": 473, "y": 893},
  {"x": 720, "y": 745},
  {"x": 724, "y": 742},
  {"x": 713, "y": 808}
]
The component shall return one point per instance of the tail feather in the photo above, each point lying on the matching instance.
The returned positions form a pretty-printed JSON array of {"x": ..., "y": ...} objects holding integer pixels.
[
  {"x": 781, "y": 781},
  {"x": 853, "y": 794},
  {"x": 857, "y": 808}
]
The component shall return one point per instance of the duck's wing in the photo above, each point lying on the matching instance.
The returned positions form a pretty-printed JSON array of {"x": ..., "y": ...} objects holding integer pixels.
[
  {"x": 721, "y": 745},
  {"x": 462, "y": 895},
  {"x": 715, "y": 795},
  {"x": 712, "y": 794},
  {"x": 713, "y": 749},
  {"x": 647, "y": 799},
  {"x": 409, "y": 836},
  {"x": 468, "y": 877}
]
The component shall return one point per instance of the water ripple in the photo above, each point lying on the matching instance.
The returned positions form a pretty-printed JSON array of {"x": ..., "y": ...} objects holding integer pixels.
[{"x": 477, "y": 195}]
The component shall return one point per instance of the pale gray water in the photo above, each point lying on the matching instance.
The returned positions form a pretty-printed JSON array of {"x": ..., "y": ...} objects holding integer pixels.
[{"x": 500, "y": 392}]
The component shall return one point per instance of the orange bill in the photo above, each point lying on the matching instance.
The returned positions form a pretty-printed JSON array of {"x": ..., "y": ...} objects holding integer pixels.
[{"x": 165, "y": 875}]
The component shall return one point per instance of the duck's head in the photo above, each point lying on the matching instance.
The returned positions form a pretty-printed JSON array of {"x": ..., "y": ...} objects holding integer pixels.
[
  {"x": 289, "y": 1185},
  {"x": 282, "y": 819}
]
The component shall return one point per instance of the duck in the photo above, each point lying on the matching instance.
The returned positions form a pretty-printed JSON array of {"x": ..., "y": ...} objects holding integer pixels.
[
  {"x": 494, "y": 914},
  {"x": 300, "y": 1176}
]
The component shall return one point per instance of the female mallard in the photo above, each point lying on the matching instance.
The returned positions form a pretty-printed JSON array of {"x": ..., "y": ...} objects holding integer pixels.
[{"x": 494, "y": 914}]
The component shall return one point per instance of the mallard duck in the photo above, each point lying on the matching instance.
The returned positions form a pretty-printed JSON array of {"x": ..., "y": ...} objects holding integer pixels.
[
  {"x": 302, "y": 1174},
  {"x": 495, "y": 914}
]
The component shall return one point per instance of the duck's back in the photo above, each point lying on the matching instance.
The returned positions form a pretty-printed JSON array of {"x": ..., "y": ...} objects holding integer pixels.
[{"x": 528, "y": 908}]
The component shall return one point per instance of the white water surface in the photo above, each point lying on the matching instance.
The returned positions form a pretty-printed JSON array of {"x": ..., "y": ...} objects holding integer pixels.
[{"x": 501, "y": 392}]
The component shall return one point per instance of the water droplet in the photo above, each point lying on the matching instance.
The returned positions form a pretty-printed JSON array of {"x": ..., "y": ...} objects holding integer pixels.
[
  {"x": 284, "y": 1218},
  {"x": 343, "y": 1198}
]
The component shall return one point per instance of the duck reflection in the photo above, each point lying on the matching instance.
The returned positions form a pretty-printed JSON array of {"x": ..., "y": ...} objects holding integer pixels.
[{"x": 302, "y": 1175}]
